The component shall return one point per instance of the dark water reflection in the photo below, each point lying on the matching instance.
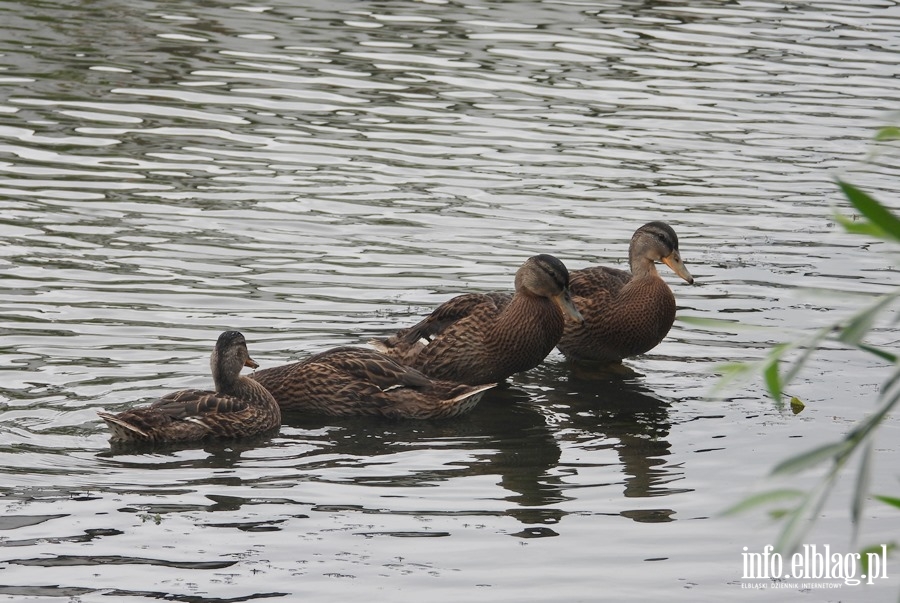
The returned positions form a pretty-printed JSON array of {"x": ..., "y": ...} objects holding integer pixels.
[
  {"x": 507, "y": 438},
  {"x": 315, "y": 174}
]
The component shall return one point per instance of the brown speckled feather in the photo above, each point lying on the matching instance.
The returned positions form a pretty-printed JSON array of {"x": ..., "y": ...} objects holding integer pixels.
[
  {"x": 625, "y": 313},
  {"x": 484, "y": 338},
  {"x": 357, "y": 381},
  {"x": 239, "y": 408},
  {"x": 622, "y": 318}
]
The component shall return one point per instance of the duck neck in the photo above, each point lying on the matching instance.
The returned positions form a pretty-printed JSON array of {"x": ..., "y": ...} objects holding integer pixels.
[
  {"x": 642, "y": 267},
  {"x": 226, "y": 381}
]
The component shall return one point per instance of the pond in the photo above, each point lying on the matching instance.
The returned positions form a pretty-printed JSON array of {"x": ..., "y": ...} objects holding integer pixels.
[{"x": 320, "y": 173}]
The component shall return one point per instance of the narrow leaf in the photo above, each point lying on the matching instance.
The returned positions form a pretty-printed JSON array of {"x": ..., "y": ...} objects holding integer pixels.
[
  {"x": 858, "y": 227},
  {"x": 805, "y": 516},
  {"x": 813, "y": 457},
  {"x": 797, "y": 524},
  {"x": 877, "y": 213},
  {"x": 887, "y": 134},
  {"x": 883, "y": 354},
  {"x": 890, "y": 500},
  {"x": 861, "y": 323},
  {"x": 893, "y": 380},
  {"x": 862, "y": 487},
  {"x": 811, "y": 345},
  {"x": 773, "y": 380},
  {"x": 866, "y": 426},
  {"x": 763, "y": 498},
  {"x": 858, "y": 327}
]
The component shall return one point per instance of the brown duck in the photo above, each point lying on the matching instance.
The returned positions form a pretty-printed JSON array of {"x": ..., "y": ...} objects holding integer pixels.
[
  {"x": 625, "y": 313},
  {"x": 237, "y": 408},
  {"x": 484, "y": 338},
  {"x": 349, "y": 381}
]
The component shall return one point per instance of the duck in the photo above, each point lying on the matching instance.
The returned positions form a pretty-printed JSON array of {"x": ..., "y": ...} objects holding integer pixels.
[
  {"x": 238, "y": 408},
  {"x": 478, "y": 338},
  {"x": 355, "y": 381},
  {"x": 626, "y": 313}
]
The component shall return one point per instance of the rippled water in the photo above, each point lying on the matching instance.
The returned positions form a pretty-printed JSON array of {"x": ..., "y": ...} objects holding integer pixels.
[{"x": 316, "y": 174}]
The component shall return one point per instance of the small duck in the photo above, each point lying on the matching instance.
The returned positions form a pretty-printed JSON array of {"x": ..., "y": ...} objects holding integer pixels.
[
  {"x": 481, "y": 338},
  {"x": 625, "y": 313},
  {"x": 347, "y": 381},
  {"x": 237, "y": 408}
]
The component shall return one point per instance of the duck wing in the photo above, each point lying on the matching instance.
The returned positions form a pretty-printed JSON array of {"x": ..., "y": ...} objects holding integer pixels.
[
  {"x": 597, "y": 281},
  {"x": 395, "y": 390},
  {"x": 363, "y": 365},
  {"x": 185, "y": 415},
  {"x": 451, "y": 312},
  {"x": 194, "y": 402}
]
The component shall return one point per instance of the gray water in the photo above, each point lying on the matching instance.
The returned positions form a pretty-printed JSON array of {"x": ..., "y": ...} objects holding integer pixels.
[{"x": 318, "y": 173}]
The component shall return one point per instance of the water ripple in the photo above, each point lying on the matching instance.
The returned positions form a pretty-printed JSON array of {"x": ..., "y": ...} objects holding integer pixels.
[{"x": 315, "y": 174}]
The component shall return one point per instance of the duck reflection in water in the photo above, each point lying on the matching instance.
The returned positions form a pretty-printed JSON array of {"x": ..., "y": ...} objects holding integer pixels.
[
  {"x": 608, "y": 411},
  {"x": 503, "y": 436},
  {"x": 517, "y": 434}
]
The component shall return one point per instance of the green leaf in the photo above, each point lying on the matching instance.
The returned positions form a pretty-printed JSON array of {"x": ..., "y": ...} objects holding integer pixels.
[
  {"x": 731, "y": 372},
  {"x": 883, "y": 354},
  {"x": 773, "y": 380},
  {"x": 891, "y": 500},
  {"x": 778, "y": 369},
  {"x": 857, "y": 227},
  {"x": 763, "y": 498},
  {"x": 811, "y": 346},
  {"x": 877, "y": 213},
  {"x": 866, "y": 426},
  {"x": 862, "y": 487},
  {"x": 800, "y": 522},
  {"x": 797, "y": 405},
  {"x": 861, "y": 323},
  {"x": 887, "y": 134},
  {"x": 813, "y": 457}
]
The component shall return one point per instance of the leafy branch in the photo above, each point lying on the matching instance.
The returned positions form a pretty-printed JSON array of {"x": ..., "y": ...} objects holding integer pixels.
[{"x": 876, "y": 221}]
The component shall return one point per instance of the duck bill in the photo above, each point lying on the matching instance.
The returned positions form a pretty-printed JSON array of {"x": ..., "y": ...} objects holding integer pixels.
[
  {"x": 673, "y": 261},
  {"x": 251, "y": 363},
  {"x": 565, "y": 303}
]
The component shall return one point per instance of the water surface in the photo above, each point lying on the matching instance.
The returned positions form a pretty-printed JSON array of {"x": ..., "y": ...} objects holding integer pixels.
[{"x": 317, "y": 174}]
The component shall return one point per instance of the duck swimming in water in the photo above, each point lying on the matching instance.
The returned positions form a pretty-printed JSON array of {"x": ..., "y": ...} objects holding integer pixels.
[
  {"x": 239, "y": 407},
  {"x": 348, "y": 381},
  {"x": 625, "y": 313},
  {"x": 481, "y": 338}
]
